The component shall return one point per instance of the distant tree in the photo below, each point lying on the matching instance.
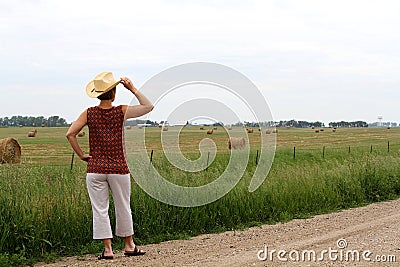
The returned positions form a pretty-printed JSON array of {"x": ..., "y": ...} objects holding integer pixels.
[
  {"x": 52, "y": 121},
  {"x": 296, "y": 124},
  {"x": 348, "y": 124},
  {"x": 137, "y": 121},
  {"x": 238, "y": 124}
]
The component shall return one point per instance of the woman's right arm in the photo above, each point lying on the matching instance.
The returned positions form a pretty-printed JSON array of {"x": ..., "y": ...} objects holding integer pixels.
[
  {"x": 144, "y": 107},
  {"x": 73, "y": 130}
]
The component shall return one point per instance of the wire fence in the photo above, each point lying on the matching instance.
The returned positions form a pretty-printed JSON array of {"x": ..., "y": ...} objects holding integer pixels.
[
  {"x": 70, "y": 160},
  {"x": 327, "y": 150}
]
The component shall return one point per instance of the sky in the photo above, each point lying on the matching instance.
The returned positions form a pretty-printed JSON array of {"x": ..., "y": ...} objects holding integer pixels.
[{"x": 312, "y": 60}]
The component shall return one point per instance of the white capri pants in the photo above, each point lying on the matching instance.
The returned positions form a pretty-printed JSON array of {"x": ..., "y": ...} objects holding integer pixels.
[{"x": 120, "y": 185}]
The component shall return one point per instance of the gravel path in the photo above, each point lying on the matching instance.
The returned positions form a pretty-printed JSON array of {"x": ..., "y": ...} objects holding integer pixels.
[{"x": 372, "y": 232}]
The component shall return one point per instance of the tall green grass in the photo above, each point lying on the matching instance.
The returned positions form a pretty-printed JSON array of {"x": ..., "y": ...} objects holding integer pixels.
[{"x": 45, "y": 210}]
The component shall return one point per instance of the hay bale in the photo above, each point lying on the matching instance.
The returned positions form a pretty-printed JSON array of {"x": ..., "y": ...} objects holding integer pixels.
[
  {"x": 128, "y": 127},
  {"x": 32, "y": 133},
  {"x": 215, "y": 128},
  {"x": 210, "y": 131},
  {"x": 236, "y": 142},
  {"x": 165, "y": 128},
  {"x": 317, "y": 131},
  {"x": 81, "y": 134},
  {"x": 321, "y": 130},
  {"x": 10, "y": 151},
  {"x": 201, "y": 128},
  {"x": 268, "y": 132},
  {"x": 249, "y": 130}
]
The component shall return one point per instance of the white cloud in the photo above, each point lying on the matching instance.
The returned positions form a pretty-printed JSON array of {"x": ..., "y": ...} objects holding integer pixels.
[{"x": 291, "y": 49}]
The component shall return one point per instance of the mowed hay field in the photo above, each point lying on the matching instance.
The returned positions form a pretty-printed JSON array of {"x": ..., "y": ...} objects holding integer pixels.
[
  {"x": 51, "y": 147},
  {"x": 45, "y": 210}
]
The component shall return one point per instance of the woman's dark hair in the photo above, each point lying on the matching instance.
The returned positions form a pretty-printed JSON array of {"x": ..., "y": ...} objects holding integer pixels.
[{"x": 108, "y": 95}]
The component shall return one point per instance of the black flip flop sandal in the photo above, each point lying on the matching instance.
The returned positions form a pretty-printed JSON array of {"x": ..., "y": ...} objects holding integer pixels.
[
  {"x": 135, "y": 252},
  {"x": 102, "y": 257}
]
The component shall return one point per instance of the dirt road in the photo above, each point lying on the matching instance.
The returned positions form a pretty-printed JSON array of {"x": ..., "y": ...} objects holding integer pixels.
[{"x": 366, "y": 236}]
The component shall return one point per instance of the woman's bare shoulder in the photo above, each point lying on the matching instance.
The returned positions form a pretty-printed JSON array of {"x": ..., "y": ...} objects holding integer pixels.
[{"x": 124, "y": 108}]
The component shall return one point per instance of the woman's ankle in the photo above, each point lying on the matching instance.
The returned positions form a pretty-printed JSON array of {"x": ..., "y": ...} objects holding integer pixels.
[
  {"x": 107, "y": 246},
  {"x": 129, "y": 244},
  {"x": 129, "y": 247}
]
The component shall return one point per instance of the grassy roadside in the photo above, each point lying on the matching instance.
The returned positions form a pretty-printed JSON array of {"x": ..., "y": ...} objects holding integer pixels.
[{"x": 45, "y": 211}]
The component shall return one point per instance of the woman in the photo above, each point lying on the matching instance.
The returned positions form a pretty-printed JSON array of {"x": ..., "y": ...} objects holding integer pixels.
[{"x": 107, "y": 166}]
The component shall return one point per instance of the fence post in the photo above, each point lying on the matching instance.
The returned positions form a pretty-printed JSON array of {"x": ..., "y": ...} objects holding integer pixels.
[
  {"x": 257, "y": 157},
  {"x": 388, "y": 146},
  {"x": 151, "y": 158},
  {"x": 370, "y": 150},
  {"x": 323, "y": 152},
  {"x": 294, "y": 152},
  {"x": 72, "y": 160},
  {"x": 208, "y": 158},
  {"x": 349, "y": 149}
]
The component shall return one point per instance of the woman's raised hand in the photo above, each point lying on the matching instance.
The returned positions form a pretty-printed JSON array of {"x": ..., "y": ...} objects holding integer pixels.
[{"x": 128, "y": 84}]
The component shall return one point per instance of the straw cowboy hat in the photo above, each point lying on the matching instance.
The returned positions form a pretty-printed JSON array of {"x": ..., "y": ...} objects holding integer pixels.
[{"x": 102, "y": 83}]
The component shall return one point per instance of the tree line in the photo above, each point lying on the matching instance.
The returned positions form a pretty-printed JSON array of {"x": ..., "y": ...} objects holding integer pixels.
[
  {"x": 56, "y": 121},
  {"x": 290, "y": 123},
  {"x": 302, "y": 124},
  {"x": 348, "y": 124},
  {"x": 15, "y": 121}
]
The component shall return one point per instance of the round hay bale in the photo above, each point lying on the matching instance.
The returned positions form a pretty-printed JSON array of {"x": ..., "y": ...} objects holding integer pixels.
[
  {"x": 236, "y": 142},
  {"x": 32, "y": 133},
  {"x": 10, "y": 151}
]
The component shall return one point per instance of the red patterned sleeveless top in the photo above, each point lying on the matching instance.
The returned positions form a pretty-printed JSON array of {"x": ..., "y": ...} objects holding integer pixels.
[{"x": 106, "y": 141}]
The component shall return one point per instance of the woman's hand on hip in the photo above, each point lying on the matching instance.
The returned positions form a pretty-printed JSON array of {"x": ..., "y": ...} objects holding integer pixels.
[{"x": 85, "y": 157}]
